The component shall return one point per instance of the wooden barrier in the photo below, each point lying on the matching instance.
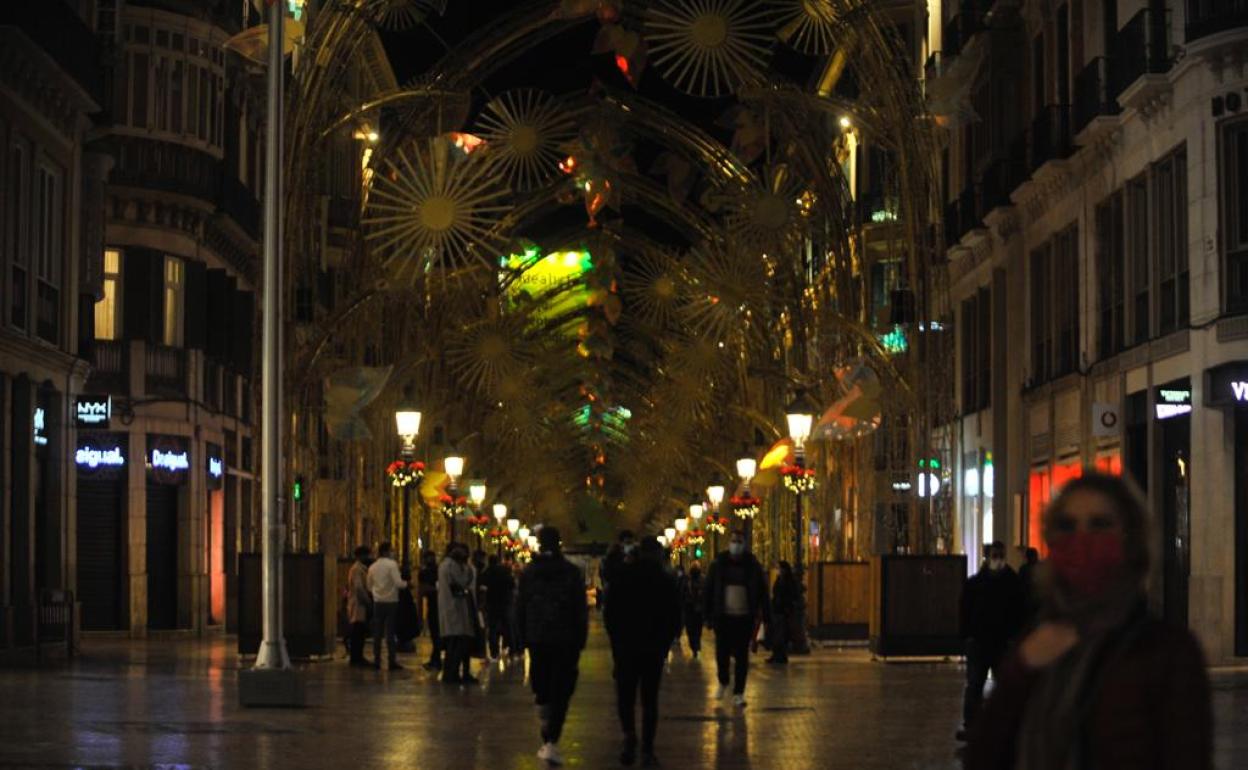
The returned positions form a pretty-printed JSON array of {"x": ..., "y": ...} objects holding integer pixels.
[
  {"x": 914, "y": 604},
  {"x": 310, "y": 597},
  {"x": 838, "y": 599}
]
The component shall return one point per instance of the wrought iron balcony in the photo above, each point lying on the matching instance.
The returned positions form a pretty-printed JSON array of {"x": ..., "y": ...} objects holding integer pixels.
[
  {"x": 1141, "y": 47},
  {"x": 110, "y": 370},
  {"x": 165, "y": 370},
  {"x": 1094, "y": 94},
  {"x": 1209, "y": 17},
  {"x": 1050, "y": 135}
]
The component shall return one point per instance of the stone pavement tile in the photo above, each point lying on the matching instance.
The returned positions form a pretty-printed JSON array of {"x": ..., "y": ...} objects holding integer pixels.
[{"x": 144, "y": 704}]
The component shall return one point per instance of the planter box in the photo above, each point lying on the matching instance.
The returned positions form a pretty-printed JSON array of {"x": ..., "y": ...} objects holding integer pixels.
[
  {"x": 914, "y": 605},
  {"x": 309, "y": 604},
  {"x": 838, "y": 598}
]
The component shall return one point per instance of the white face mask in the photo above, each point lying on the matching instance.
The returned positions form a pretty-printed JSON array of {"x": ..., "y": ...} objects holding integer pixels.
[
  {"x": 628, "y": 547},
  {"x": 996, "y": 565},
  {"x": 736, "y": 549}
]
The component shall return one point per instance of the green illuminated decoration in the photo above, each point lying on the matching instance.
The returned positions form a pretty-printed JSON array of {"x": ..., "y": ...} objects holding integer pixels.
[
  {"x": 556, "y": 279},
  {"x": 895, "y": 340}
]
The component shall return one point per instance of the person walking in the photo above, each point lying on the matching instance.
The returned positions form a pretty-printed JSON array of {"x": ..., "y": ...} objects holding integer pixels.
[
  {"x": 784, "y": 599},
  {"x": 1099, "y": 683},
  {"x": 691, "y": 601},
  {"x": 642, "y": 619},
  {"x": 499, "y": 587},
  {"x": 622, "y": 553},
  {"x": 427, "y": 579},
  {"x": 359, "y": 602},
  {"x": 384, "y": 582},
  {"x": 736, "y": 600},
  {"x": 457, "y": 613},
  {"x": 552, "y": 619},
  {"x": 992, "y": 608}
]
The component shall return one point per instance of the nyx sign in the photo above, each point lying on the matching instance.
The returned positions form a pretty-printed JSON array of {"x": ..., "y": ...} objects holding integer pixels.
[{"x": 93, "y": 411}]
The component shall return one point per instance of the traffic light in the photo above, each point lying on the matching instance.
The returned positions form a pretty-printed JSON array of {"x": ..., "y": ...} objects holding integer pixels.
[
  {"x": 296, "y": 491},
  {"x": 697, "y": 552}
]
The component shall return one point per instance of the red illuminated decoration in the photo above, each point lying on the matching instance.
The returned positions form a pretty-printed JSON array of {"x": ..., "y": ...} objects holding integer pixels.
[
  {"x": 468, "y": 143},
  {"x": 479, "y": 525},
  {"x": 797, "y": 479},
  {"x": 744, "y": 505},
  {"x": 401, "y": 472},
  {"x": 453, "y": 506}
]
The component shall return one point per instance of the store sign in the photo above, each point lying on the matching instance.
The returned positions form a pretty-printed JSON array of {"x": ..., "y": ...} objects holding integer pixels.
[
  {"x": 216, "y": 467},
  {"x": 1172, "y": 402},
  {"x": 93, "y": 411},
  {"x": 94, "y": 457},
  {"x": 170, "y": 461},
  {"x": 40, "y": 420},
  {"x": 1239, "y": 391},
  {"x": 1227, "y": 385}
]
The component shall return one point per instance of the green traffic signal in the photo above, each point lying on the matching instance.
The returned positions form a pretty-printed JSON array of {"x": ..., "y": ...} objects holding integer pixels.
[{"x": 296, "y": 491}]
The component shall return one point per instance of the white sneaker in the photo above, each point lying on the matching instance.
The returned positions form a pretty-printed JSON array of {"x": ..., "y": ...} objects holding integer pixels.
[
  {"x": 738, "y": 700},
  {"x": 549, "y": 752},
  {"x": 723, "y": 692}
]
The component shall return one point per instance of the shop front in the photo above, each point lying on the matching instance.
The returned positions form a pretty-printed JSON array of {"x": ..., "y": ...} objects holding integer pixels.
[
  {"x": 1226, "y": 388},
  {"x": 101, "y": 459},
  {"x": 168, "y": 468},
  {"x": 214, "y": 523}
]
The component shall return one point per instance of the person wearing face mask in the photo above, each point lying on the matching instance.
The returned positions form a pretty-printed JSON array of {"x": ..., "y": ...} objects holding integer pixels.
[
  {"x": 991, "y": 616},
  {"x": 1099, "y": 683},
  {"x": 457, "y": 613},
  {"x": 622, "y": 553},
  {"x": 735, "y": 602}
]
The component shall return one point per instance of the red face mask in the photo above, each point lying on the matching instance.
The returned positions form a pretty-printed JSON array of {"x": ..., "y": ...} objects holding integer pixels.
[{"x": 1087, "y": 562}]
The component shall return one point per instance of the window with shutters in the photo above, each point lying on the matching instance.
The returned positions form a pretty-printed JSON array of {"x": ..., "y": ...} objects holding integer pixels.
[
  {"x": 1233, "y": 180},
  {"x": 1110, "y": 281},
  {"x": 48, "y": 248},
  {"x": 1170, "y": 221},
  {"x": 175, "y": 85},
  {"x": 174, "y": 302},
  {"x": 1065, "y": 283},
  {"x": 1138, "y": 262},
  {"x": 19, "y": 227},
  {"x": 108, "y": 307}
]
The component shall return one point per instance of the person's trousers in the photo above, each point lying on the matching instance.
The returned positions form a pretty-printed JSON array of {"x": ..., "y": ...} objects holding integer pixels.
[
  {"x": 355, "y": 641},
  {"x": 634, "y": 670},
  {"x": 498, "y": 630},
  {"x": 980, "y": 659},
  {"x": 435, "y": 638},
  {"x": 383, "y": 626},
  {"x": 732, "y": 645},
  {"x": 457, "y": 657},
  {"x": 693, "y": 630},
  {"x": 780, "y": 637},
  {"x": 552, "y": 677}
]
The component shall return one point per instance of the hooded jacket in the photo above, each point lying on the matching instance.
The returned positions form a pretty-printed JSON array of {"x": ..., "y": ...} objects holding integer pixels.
[
  {"x": 755, "y": 586},
  {"x": 643, "y": 615},
  {"x": 551, "y": 608}
]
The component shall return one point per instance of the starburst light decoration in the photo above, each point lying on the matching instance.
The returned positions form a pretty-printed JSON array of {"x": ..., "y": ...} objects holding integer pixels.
[
  {"x": 433, "y": 207},
  {"x": 399, "y": 15},
  {"x": 710, "y": 47},
  {"x": 727, "y": 280},
  {"x": 771, "y": 213},
  {"x": 524, "y": 131},
  {"x": 808, "y": 26},
  {"x": 653, "y": 287}
]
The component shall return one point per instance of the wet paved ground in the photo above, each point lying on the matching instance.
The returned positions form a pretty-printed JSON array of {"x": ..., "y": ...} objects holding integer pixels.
[{"x": 166, "y": 703}]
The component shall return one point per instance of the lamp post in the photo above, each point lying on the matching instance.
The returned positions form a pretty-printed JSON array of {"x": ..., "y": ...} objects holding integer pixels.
[
  {"x": 746, "y": 468},
  {"x": 453, "y": 465},
  {"x": 476, "y": 493},
  {"x": 670, "y": 537},
  {"x": 682, "y": 526},
  {"x": 407, "y": 424},
  {"x": 715, "y": 496},
  {"x": 800, "y": 415},
  {"x": 500, "y": 515},
  {"x": 695, "y": 516}
]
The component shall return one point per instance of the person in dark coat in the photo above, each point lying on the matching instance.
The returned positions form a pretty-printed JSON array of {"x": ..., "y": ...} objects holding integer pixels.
[
  {"x": 991, "y": 610},
  {"x": 735, "y": 602},
  {"x": 552, "y": 618},
  {"x": 692, "y": 600},
  {"x": 784, "y": 602},
  {"x": 427, "y": 579},
  {"x": 623, "y": 552},
  {"x": 1099, "y": 683},
  {"x": 642, "y": 620},
  {"x": 499, "y": 586}
]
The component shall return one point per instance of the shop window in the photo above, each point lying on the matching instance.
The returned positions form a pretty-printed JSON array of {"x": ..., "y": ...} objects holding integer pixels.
[
  {"x": 1039, "y": 484},
  {"x": 1170, "y": 218},
  {"x": 1109, "y": 463},
  {"x": 1234, "y": 212},
  {"x": 174, "y": 301},
  {"x": 108, "y": 307}
]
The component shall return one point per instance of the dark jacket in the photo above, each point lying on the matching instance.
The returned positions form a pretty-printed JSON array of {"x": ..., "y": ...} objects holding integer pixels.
[
  {"x": 784, "y": 595},
  {"x": 993, "y": 608},
  {"x": 1150, "y": 710},
  {"x": 643, "y": 616},
  {"x": 551, "y": 608},
  {"x": 499, "y": 587},
  {"x": 693, "y": 598},
  {"x": 755, "y": 587}
]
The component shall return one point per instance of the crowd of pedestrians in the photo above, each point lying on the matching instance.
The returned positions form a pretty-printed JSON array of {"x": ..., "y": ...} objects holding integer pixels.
[{"x": 1085, "y": 677}]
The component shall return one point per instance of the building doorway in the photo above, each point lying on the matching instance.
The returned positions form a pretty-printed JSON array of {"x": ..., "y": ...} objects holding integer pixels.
[{"x": 162, "y": 556}]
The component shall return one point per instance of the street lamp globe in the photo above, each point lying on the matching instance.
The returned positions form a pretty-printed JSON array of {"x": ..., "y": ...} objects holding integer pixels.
[
  {"x": 476, "y": 493},
  {"x": 746, "y": 467},
  {"x": 715, "y": 495},
  {"x": 513, "y": 526},
  {"x": 407, "y": 422},
  {"x": 670, "y": 534},
  {"x": 800, "y": 415},
  {"x": 662, "y": 540},
  {"x": 682, "y": 525},
  {"x": 695, "y": 513},
  {"x": 454, "y": 466},
  {"x": 524, "y": 533},
  {"x": 532, "y": 541}
]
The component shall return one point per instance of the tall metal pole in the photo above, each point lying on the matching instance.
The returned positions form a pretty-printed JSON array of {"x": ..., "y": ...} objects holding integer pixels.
[
  {"x": 406, "y": 526},
  {"x": 272, "y": 653}
]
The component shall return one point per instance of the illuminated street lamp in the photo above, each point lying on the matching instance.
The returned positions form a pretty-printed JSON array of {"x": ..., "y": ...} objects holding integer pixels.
[
  {"x": 476, "y": 493},
  {"x": 800, "y": 415},
  {"x": 407, "y": 425},
  {"x": 746, "y": 468},
  {"x": 500, "y": 515},
  {"x": 695, "y": 514},
  {"x": 513, "y": 526},
  {"x": 682, "y": 525},
  {"x": 453, "y": 465},
  {"x": 524, "y": 534}
]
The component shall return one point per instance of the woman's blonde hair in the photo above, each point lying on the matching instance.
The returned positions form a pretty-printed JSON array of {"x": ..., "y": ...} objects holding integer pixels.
[{"x": 1127, "y": 502}]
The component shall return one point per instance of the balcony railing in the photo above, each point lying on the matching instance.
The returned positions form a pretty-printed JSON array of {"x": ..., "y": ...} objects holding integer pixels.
[
  {"x": 165, "y": 370},
  {"x": 1209, "y": 17},
  {"x": 1001, "y": 178},
  {"x": 1141, "y": 47},
  {"x": 1094, "y": 95},
  {"x": 1050, "y": 135},
  {"x": 110, "y": 371}
]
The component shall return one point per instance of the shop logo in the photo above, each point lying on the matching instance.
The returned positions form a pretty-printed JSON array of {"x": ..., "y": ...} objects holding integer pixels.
[
  {"x": 94, "y": 412},
  {"x": 1240, "y": 391},
  {"x": 1172, "y": 403},
  {"x": 91, "y": 457},
  {"x": 216, "y": 468},
  {"x": 171, "y": 461},
  {"x": 41, "y": 438}
]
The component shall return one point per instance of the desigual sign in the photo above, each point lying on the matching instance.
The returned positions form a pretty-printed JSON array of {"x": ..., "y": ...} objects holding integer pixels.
[
  {"x": 95, "y": 457},
  {"x": 170, "y": 461}
]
